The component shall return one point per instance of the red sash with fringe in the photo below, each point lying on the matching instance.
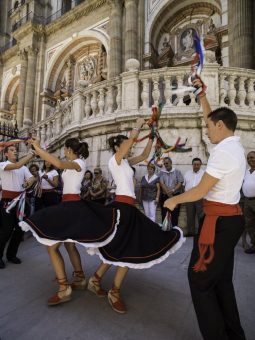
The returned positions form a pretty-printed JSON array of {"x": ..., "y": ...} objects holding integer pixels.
[{"x": 212, "y": 211}]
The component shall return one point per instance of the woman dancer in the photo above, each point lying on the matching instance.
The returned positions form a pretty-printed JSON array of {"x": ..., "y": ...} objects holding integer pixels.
[
  {"x": 72, "y": 220},
  {"x": 139, "y": 242},
  {"x": 49, "y": 183}
]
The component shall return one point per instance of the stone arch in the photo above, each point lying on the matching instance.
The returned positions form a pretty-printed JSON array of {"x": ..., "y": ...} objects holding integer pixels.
[
  {"x": 173, "y": 11},
  {"x": 10, "y": 92},
  {"x": 71, "y": 48}
]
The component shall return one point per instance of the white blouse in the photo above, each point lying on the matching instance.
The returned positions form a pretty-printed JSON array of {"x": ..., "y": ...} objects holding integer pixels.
[
  {"x": 51, "y": 174},
  {"x": 123, "y": 176},
  {"x": 72, "y": 178}
]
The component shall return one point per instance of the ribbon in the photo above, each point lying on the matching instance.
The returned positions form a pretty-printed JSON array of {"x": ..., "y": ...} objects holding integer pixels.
[
  {"x": 167, "y": 223},
  {"x": 20, "y": 202}
]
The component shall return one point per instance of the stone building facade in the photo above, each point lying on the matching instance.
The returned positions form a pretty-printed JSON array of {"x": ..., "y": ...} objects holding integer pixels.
[{"x": 90, "y": 68}]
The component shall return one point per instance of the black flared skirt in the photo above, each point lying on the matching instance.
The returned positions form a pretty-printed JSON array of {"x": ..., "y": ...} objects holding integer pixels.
[
  {"x": 138, "y": 243},
  {"x": 83, "y": 222}
]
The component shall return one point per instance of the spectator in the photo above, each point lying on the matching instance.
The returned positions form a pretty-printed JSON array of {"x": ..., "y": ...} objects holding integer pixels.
[
  {"x": 86, "y": 184},
  {"x": 194, "y": 209},
  {"x": 34, "y": 191},
  {"x": 248, "y": 189},
  {"x": 171, "y": 184},
  {"x": 150, "y": 191},
  {"x": 99, "y": 187}
]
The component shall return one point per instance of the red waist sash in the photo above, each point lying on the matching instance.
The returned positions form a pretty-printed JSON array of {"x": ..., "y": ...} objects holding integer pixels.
[
  {"x": 212, "y": 211},
  {"x": 6, "y": 194},
  {"x": 125, "y": 199},
  {"x": 48, "y": 190},
  {"x": 71, "y": 197}
]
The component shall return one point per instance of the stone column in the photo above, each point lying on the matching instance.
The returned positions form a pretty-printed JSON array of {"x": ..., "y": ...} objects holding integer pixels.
[
  {"x": 30, "y": 87},
  {"x": 22, "y": 87},
  {"x": 241, "y": 33},
  {"x": 140, "y": 30},
  {"x": 131, "y": 31},
  {"x": 115, "y": 39}
]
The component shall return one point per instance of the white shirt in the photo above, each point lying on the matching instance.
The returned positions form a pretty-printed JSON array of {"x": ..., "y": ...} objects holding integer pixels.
[
  {"x": 227, "y": 163},
  {"x": 123, "y": 177},
  {"x": 249, "y": 184},
  {"x": 72, "y": 178},
  {"x": 191, "y": 179},
  {"x": 51, "y": 174},
  {"x": 12, "y": 180}
]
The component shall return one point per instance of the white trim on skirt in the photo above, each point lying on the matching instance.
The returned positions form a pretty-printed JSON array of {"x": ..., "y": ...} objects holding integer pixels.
[
  {"x": 47, "y": 242},
  {"x": 177, "y": 246}
]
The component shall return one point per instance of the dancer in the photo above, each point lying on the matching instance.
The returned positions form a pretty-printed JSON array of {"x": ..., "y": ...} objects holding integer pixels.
[
  {"x": 139, "y": 243},
  {"x": 49, "y": 183},
  {"x": 13, "y": 175},
  {"x": 71, "y": 221},
  {"x": 212, "y": 259}
]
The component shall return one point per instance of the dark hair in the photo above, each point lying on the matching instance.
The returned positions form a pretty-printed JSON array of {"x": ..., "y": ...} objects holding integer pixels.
[
  {"x": 33, "y": 166},
  {"x": 167, "y": 158},
  {"x": 196, "y": 159},
  {"x": 51, "y": 166},
  {"x": 79, "y": 148},
  {"x": 89, "y": 172},
  {"x": 225, "y": 114},
  {"x": 6, "y": 149},
  {"x": 116, "y": 141}
]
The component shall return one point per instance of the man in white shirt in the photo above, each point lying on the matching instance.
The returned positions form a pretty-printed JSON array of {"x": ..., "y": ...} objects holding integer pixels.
[
  {"x": 212, "y": 260},
  {"x": 13, "y": 174},
  {"x": 249, "y": 201},
  {"x": 194, "y": 210}
]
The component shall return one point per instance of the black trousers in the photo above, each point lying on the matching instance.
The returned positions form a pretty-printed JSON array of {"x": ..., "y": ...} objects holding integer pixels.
[
  {"x": 9, "y": 231},
  {"x": 174, "y": 213},
  {"x": 212, "y": 291}
]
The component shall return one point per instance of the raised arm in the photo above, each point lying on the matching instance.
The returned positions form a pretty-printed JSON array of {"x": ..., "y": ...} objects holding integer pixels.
[
  {"x": 21, "y": 162},
  {"x": 53, "y": 159},
  {"x": 203, "y": 100},
  {"x": 144, "y": 155},
  {"x": 128, "y": 143}
]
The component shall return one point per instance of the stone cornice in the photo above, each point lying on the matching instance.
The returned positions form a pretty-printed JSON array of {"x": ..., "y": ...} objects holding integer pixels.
[
  {"x": 11, "y": 52},
  {"x": 76, "y": 13},
  {"x": 27, "y": 28}
]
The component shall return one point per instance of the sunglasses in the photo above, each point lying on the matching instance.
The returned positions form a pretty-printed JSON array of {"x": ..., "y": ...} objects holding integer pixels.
[{"x": 96, "y": 173}]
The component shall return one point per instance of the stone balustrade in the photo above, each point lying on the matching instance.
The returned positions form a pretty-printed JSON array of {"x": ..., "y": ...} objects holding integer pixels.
[{"x": 132, "y": 95}]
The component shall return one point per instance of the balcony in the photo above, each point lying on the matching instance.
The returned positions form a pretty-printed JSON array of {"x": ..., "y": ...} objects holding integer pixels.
[
  {"x": 31, "y": 16},
  {"x": 125, "y": 98}
]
